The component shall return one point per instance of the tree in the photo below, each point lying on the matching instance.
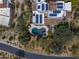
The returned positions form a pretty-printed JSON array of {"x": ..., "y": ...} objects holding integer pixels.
[
  {"x": 62, "y": 35},
  {"x": 24, "y": 38},
  {"x": 22, "y": 27}
]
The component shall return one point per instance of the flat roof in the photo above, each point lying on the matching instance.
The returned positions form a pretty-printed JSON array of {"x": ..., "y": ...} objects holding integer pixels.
[
  {"x": 55, "y": 14},
  {"x": 68, "y": 6},
  {"x": 42, "y": 7},
  {"x": 38, "y": 18}
]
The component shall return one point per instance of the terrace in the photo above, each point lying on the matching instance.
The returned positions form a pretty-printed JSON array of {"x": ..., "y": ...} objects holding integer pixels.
[
  {"x": 52, "y": 5},
  {"x": 52, "y": 21}
]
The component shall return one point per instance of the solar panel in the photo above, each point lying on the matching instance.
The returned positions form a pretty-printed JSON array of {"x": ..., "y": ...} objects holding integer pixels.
[
  {"x": 60, "y": 6},
  {"x": 52, "y": 14},
  {"x": 59, "y": 3},
  {"x": 46, "y": 6},
  {"x": 40, "y": 18},
  {"x": 37, "y": 18},
  {"x": 58, "y": 11},
  {"x": 38, "y": 7},
  {"x": 42, "y": 6}
]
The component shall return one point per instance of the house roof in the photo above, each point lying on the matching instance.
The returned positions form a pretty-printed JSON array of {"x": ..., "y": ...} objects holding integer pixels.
[
  {"x": 42, "y": 7},
  {"x": 56, "y": 14},
  {"x": 60, "y": 5},
  {"x": 38, "y": 18},
  {"x": 4, "y": 13}
]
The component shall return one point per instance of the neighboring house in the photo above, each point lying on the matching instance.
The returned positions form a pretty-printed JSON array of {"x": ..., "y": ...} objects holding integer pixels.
[
  {"x": 49, "y": 13},
  {"x": 5, "y": 13}
]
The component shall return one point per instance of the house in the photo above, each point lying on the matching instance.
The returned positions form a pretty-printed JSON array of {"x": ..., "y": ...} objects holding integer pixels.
[
  {"x": 4, "y": 16},
  {"x": 43, "y": 8},
  {"x": 5, "y": 13},
  {"x": 49, "y": 13}
]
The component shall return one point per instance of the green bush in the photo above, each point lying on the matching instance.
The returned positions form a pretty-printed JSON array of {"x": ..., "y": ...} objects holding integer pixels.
[
  {"x": 22, "y": 27},
  {"x": 74, "y": 2},
  {"x": 24, "y": 38}
]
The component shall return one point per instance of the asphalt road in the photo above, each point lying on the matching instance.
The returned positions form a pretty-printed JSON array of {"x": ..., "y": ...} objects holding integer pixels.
[{"x": 28, "y": 55}]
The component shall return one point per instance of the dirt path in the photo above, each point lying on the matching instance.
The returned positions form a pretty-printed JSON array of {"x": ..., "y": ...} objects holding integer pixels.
[
  {"x": 20, "y": 5},
  {"x": 74, "y": 12}
]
